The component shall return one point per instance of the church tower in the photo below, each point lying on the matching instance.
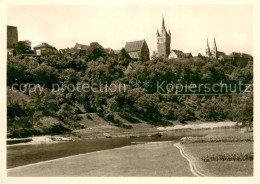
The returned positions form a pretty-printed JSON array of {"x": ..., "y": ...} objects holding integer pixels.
[
  {"x": 163, "y": 41},
  {"x": 208, "y": 54},
  {"x": 214, "y": 50}
]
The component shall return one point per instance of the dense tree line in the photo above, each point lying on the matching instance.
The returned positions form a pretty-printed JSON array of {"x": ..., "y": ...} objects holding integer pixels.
[{"x": 141, "y": 100}]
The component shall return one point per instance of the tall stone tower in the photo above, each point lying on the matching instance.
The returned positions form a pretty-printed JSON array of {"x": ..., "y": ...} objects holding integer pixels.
[
  {"x": 208, "y": 53},
  {"x": 163, "y": 41},
  {"x": 214, "y": 50}
]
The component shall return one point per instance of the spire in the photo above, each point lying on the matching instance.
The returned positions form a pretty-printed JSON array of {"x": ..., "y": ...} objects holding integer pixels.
[
  {"x": 215, "y": 45},
  {"x": 157, "y": 32},
  {"x": 207, "y": 42},
  {"x": 163, "y": 22}
]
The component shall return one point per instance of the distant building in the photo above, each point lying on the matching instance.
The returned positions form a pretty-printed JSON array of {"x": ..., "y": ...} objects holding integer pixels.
[
  {"x": 176, "y": 54},
  {"x": 208, "y": 53},
  {"x": 241, "y": 56},
  {"x": 179, "y": 54},
  {"x": 12, "y": 39},
  {"x": 80, "y": 48},
  {"x": 109, "y": 51},
  {"x": 188, "y": 55},
  {"x": 45, "y": 49},
  {"x": 138, "y": 50},
  {"x": 214, "y": 53},
  {"x": 163, "y": 41}
]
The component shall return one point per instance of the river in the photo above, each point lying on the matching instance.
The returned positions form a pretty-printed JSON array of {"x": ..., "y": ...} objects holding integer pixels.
[{"x": 18, "y": 155}]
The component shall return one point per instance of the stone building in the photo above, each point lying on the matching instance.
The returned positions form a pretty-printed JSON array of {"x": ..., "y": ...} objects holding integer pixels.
[
  {"x": 163, "y": 41},
  {"x": 138, "y": 50},
  {"x": 12, "y": 39},
  {"x": 45, "y": 49},
  {"x": 214, "y": 53}
]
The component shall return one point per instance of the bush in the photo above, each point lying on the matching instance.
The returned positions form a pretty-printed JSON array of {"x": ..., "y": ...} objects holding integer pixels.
[
  {"x": 129, "y": 118},
  {"x": 89, "y": 117},
  {"x": 229, "y": 157},
  {"x": 215, "y": 139},
  {"x": 25, "y": 132},
  {"x": 56, "y": 129}
]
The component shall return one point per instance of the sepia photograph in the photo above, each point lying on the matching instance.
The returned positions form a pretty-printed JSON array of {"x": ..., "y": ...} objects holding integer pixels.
[{"x": 129, "y": 90}]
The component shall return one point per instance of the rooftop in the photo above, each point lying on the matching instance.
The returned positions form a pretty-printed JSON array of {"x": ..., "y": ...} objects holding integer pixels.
[{"x": 134, "y": 45}]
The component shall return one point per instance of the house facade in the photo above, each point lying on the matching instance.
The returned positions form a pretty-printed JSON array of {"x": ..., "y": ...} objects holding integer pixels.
[{"x": 176, "y": 54}]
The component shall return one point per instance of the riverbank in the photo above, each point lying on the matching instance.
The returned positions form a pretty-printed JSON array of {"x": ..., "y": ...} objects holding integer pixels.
[
  {"x": 109, "y": 155},
  {"x": 108, "y": 131}
]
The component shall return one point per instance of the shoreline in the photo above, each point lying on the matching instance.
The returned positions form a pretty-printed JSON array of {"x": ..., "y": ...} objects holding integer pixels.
[{"x": 51, "y": 139}]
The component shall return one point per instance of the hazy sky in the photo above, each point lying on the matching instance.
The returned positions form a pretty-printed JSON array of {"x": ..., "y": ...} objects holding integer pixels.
[{"x": 112, "y": 26}]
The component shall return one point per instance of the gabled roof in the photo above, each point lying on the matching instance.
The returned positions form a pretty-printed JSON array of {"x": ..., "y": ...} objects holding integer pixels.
[
  {"x": 43, "y": 45},
  {"x": 187, "y": 54},
  {"x": 134, "y": 46},
  {"x": 81, "y": 46},
  {"x": 109, "y": 50},
  {"x": 177, "y": 51}
]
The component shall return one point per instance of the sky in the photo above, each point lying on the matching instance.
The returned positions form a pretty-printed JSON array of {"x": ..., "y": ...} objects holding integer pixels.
[{"x": 112, "y": 25}]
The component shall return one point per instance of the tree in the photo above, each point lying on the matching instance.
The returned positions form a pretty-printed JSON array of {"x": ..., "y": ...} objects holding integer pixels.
[
  {"x": 23, "y": 48},
  {"x": 46, "y": 75},
  {"x": 95, "y": 51}
]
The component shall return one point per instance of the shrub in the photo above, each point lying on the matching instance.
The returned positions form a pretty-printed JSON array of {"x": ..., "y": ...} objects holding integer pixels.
[
  {"x": 215, "y": 139},
  {"x": 129, "y": 118},
  {"x": 89, "y": 117},
  {"x": 229, "y": 157}
]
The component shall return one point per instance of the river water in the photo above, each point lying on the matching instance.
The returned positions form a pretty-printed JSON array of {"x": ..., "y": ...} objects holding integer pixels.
[{"x": 27, "y": 154}]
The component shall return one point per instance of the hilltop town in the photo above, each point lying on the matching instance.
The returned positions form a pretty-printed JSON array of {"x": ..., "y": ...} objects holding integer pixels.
[{"x": 137, "y": 50}]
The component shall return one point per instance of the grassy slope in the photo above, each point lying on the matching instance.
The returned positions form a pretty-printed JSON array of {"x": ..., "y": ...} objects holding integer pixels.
[{"x": 97, "y": 126}]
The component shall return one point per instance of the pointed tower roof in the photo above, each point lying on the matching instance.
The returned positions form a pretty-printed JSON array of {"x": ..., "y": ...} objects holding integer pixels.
[
  {"x": 163, "y": 24},
  {"x": 158, "y": 32},
  {"x": 207, "y": 42},
  {"x": 215, "y": 45},
  {"x": 163, "y": 30}
]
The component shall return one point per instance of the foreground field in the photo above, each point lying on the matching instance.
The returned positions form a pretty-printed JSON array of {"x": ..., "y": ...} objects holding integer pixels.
[
  {"x": 152, "y": 159},
  {"x": 197, "y": 150}
]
